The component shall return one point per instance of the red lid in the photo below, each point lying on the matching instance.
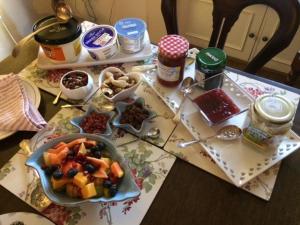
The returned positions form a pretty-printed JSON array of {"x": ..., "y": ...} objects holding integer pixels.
[{"x": 173, "y": 46}]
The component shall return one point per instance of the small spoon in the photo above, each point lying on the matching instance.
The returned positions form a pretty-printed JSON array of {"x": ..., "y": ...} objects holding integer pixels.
[
  {"x": 152, "y": 133},
  {"x": 106, "y": 107},
  {"x": 226, "y": 133},
  {"x": 55, "y": 101},
  {"x": 63, "y": 15},
  {"x": 63, "y": 11},
  {"x": 185, "y": 89}
]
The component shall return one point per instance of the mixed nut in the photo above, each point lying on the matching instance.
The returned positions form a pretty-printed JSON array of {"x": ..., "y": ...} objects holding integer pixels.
[{"x": 115, "y": 82}]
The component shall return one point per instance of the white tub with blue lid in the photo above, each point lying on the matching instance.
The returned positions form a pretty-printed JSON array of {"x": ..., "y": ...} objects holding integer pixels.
[
  {"x": 131, "y": 33},
  {"x": 100, "y": 41}
]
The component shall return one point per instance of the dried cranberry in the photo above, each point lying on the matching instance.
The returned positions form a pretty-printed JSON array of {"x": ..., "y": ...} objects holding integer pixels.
[{"x": 94, "y": 123}]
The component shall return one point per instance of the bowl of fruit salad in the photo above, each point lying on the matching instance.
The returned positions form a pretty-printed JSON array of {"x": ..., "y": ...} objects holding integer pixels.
[
  {"x": 133, "y": 115},
  {"x": 94, "y": 122},
  {"x": 80, "y": 168}
]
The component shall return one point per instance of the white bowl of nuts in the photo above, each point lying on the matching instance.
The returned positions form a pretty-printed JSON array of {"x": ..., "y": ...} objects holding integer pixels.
[
  {"x": 76, "y": 84},
  {"x": 117, "y": 85}
]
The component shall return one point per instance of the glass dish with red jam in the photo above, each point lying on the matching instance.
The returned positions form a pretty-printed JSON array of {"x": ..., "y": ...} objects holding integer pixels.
[
  {"x": 216, "y": 106},
  {"x": 132, "y": 116}
]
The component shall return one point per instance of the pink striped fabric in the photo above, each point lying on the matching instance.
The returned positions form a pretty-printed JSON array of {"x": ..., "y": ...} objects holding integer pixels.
[{"x": 16, "y": 110}]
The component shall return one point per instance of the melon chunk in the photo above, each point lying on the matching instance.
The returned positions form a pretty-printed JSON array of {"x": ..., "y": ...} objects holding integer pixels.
[
  {"x": 55, "y": 159},
  {"x": 59, "y": 184},
  {"x": 58, "y": 149},
  {"x": 82, "y": 149},
  {"x": 116, "y": 170},
  {"x": 46, "y": 158},
  {"x": 100, "y": 173},
  {"x": 73, "y": 190},
  {"x": 88, "y": 191},
  {"x": 80, "y": 180},
  {"x": 76, "y": 142},
  {"x": 90, "y": 143},
  {"x": 107, "y": 160},
  {"x": 51, "y": 159},
  {"x": 98, "y": 162},
  {"x": 69, "y": 165}
]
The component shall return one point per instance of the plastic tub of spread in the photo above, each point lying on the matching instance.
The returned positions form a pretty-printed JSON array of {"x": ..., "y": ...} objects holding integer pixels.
[
  {"x": 131, "y": 33},
  {"x": 100, "y": 42},
  {"x": 60, "y": 43}
]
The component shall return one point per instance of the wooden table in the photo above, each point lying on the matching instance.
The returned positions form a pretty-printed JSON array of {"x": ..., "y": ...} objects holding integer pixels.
[{"x": 192, "y": 196}]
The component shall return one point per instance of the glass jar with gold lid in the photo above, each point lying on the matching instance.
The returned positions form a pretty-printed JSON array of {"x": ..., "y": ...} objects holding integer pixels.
[{"x": 270, "y": 115}]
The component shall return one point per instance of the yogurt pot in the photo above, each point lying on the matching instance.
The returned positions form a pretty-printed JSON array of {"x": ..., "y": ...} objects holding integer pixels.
[
  {"x": 131, "y": 32},
  {"x": 60, "y": 43},
  {"x": 100, "y": 42},
  {"x": 270, "y": 115}
]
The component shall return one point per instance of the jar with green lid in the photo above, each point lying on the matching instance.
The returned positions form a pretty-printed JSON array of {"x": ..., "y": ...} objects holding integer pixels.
[
  {"x": 270, "y": 115},
  {"x": 210, "y": 62}
]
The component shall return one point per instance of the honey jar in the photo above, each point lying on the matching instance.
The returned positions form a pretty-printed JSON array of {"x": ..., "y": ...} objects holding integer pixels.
[
  {"x": 270, "y": 115},
  {"x": 172, "y": 52}
]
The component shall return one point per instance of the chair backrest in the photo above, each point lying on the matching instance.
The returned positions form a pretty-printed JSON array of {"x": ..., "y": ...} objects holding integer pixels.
[{"x": 226, "y": 13}]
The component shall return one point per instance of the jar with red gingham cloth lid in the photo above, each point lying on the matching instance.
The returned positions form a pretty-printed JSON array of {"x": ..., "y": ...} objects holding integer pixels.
[{"x": 172, "y": 51}]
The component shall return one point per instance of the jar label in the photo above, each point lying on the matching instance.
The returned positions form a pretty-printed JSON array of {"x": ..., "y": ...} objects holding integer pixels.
[
  {"x": 98, "y": 37},
  {"x": 168, "y": 73},
  {"x": 131, "y": 45},
  {"x": 54, "y": 52},
  {"x": 257, "y": 135}
]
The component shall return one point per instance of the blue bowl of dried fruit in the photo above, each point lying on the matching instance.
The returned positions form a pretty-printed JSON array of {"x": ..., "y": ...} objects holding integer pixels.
[
  {"x": 132, "y": 116},
  {"x": 94, "y": 122},
  {"x": 72, "y": 173}
]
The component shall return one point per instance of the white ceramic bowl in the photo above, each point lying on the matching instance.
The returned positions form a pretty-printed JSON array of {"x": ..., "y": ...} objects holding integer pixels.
[
  {"x": 126, "y": 92},
  {"x": 78, "y": 93}
]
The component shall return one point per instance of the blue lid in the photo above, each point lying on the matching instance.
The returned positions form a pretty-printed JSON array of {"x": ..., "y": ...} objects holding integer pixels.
[
  {"x": 131, "y": 27},
  {"x": 99, "y": 36}
]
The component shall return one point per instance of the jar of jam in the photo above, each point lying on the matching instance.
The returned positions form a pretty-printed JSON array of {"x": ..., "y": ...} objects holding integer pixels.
[
  {"x": 270, "y": 115},
  {"x": 209, "y": 63},
  {"x": 172, "y": 51}
]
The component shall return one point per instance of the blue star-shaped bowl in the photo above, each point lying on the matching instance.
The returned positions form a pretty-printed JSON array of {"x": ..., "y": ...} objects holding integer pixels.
[
  {"x": 121, "y": 107},
  {"x": 127, "y": 189},
  {"x": 77, "y": 120}
]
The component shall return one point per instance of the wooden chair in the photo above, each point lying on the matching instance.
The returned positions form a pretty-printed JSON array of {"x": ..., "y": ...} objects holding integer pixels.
[
  {"x": 226, "y": 13},
  {"x": 295, "y": 70}
]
